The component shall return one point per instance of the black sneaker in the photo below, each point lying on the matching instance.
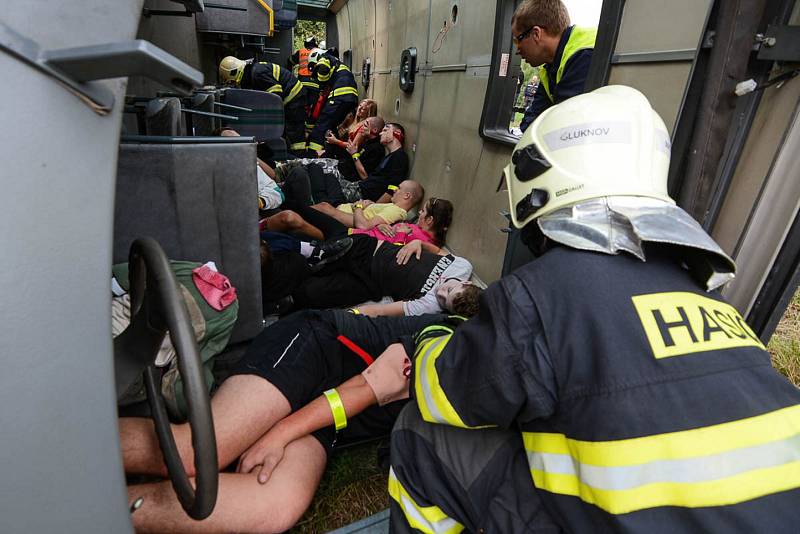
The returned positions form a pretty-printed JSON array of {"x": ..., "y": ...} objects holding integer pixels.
[{"x": 329, "y": 252}]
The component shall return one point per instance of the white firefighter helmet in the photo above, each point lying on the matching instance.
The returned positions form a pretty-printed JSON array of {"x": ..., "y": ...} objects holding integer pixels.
[
  {"x": 231, "y": 70},
  {"x": 606, "y": 143},
  {"x": 315, "y": 56}
]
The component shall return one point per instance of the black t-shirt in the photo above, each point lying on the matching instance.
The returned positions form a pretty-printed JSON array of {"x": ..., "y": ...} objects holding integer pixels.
[
  {"x": 403, "y": 282},
  {"x": 391, "y": 171},
  {"x": 372, "y": 154}
]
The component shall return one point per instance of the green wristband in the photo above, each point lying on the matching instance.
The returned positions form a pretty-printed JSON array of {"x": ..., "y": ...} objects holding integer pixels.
[{"x": 337, "y": 408}]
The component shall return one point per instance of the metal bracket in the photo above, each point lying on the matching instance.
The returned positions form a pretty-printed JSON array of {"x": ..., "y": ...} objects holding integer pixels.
[
  {"x": 77, "y": 68},
  {"x": 779, "y": 43}
]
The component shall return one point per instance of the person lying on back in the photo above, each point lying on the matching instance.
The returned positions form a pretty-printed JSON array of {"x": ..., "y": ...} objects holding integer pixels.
[{"x": 323, "y": 221}]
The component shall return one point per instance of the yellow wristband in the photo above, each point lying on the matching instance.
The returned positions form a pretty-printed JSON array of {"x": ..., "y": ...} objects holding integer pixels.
[
  {"x": 337, "y": 408},
  {"x": 356, "y": 155},
  {"x": 392, "y": 188}
]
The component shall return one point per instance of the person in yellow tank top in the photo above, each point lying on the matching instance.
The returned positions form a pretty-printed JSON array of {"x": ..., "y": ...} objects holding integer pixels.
[{"x": 543, "y": 36}]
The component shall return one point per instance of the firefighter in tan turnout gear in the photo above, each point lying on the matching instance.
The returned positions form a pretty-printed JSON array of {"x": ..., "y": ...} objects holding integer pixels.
[{"x": 605, "y": 386}]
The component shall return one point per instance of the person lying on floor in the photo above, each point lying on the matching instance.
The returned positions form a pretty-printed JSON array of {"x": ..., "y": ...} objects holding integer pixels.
[
  {"x": 323, "y": 221},
  {"x": 428, "y": 233},
  {"x": 430, "y": 230},
  {"x": 391, "y": 170},
  {"x": 292, "y": 367},
  {"x": 350, "y": 160},
  {"x": 270, "y": 195},
  {"x": 372, "y": 269}
]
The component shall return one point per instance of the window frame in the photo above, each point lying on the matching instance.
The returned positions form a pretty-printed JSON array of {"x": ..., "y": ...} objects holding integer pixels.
[{"x": 501, "y": 90}]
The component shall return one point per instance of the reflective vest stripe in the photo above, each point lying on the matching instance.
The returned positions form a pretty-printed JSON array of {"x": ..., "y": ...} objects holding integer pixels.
[
  {"x": 313, "y": 85},
  {"x": 276, "y": 72},
  {"x": 341, "y": 91},
  {"x": 293, "y": 93},
  {"x": 579, "y": 39},
  {"x": 275, "y": 89},
  {"x": 709, "y": 466},
  {"x": 315, "y": 146},
  {"x": 427, "y": 519},
  {"x": 432, "y": 401},
  {"x": 298, "y": 146}
]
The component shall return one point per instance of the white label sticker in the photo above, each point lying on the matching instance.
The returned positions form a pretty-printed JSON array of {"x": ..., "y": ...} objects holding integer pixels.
[
  {"x": 589, "y": 133},
  {"x": 503, "y": 65}
]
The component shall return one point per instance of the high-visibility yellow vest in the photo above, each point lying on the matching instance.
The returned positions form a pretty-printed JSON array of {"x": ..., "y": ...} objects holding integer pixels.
[{"x": 579, "y": 39}]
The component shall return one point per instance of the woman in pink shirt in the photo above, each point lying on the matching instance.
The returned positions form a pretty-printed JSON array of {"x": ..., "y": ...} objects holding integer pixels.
[{"x": 434, "y": 219}]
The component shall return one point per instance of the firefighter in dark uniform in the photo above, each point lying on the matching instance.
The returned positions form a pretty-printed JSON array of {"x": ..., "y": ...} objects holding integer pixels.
[
  {"x": 271, "y": 78},
  {"x": 605, "y": 386},
  {"x": 300, "y": 59},
  {"x": 342, "y": 99}
]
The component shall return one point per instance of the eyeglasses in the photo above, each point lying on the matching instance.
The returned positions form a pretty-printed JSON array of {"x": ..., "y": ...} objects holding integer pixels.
[{"x": 522, "y": 36}]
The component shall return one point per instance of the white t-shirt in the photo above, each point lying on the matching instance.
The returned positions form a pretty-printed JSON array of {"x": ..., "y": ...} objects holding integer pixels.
[
  {"x": 268, "y": 190},
  {"x": 428, "y": 303}
]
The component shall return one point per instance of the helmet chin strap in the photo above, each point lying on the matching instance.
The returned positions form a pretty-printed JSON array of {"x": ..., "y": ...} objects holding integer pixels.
[{"x": 533, "y": 238}]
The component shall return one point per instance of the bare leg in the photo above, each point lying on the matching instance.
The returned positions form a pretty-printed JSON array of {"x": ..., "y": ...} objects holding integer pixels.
[
  {"x": 344, "y": 218},
  {"x": 289, "y": 221},
  {"x": 243, "y": 505},
  {"x": 244, "y": 407}
]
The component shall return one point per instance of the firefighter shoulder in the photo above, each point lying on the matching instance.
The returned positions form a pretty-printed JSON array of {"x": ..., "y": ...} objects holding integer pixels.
[{"x": 644, "y": 400}]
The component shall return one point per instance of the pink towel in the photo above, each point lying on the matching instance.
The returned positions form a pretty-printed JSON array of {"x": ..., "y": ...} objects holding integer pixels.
[{"x": 215, "y": 287}]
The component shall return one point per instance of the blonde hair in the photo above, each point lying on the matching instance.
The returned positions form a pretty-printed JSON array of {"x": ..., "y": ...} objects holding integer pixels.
[{"x": 552, "y": 15}]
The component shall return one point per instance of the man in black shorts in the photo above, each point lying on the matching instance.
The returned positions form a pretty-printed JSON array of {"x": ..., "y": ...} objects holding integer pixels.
[{"x": 290, "y": 364}]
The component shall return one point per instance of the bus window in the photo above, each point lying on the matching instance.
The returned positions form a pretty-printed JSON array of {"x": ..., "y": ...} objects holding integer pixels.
[{"x": 513, "y": 83}]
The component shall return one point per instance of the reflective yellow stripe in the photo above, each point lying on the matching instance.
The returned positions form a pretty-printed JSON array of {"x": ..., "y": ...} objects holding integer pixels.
[
  {"x": 342, "y": 67},
  {"x": 293, "y": 93},
  {"x": 337, "y": 408},
  {"x": 275, "y": 89},
  {"x": 315, "y": 146},
  {"x": 427, "y": 519},
  {"x": 313, "y": 85},
  {"x": 579, "y": 39},
  {"x": 276, "y": 72},
  {"x": 710, "y": 466},
  {"x": 298, "y": 146},
  {"x": 433, "y": 403},
  {"x": 344, "y": 91},
  {"x": 434, "y": 328}
]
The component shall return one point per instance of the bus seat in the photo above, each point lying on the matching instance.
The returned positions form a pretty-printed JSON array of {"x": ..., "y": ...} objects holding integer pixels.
[
  {"x": 163, "y": 117},
  {"x": 198, "y": 201},
  {"x": 264, "y": 122},
  {"x": 201, "y": 124},
  {"x": 286, "y": 15}
]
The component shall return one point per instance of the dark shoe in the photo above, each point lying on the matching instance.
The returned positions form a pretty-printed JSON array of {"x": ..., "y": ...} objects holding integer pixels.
[
  {"x": 278, "y": 307},
  {"x": 329, "y": 252}
]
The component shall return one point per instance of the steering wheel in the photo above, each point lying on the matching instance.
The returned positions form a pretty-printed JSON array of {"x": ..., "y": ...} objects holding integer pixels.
[{"x": 157, "y": 307}]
